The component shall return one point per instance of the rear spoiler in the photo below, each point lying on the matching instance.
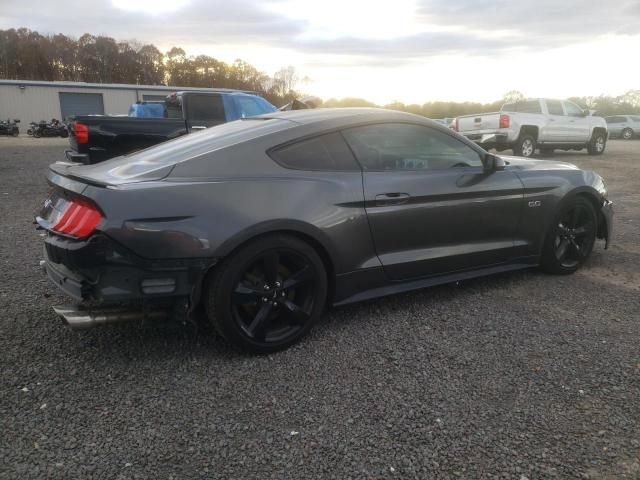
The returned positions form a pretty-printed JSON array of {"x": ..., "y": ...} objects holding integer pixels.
[{"x": 302, "y": 104}]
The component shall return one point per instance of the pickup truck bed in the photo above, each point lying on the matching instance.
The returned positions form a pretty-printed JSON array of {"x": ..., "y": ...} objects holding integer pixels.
[
  {"x": 114, "y": 136},
  {"x": 95, "y": 138}
]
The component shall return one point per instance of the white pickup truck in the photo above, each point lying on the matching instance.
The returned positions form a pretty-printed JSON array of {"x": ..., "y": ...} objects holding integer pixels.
[{"x": 536, "y": 123}]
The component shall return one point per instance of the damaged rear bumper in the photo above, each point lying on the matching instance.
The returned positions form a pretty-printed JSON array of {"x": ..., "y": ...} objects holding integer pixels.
[{"x": 99, "y": 272}]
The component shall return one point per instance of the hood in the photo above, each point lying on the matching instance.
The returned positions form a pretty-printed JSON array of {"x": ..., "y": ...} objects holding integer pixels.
[{"x": 520, "y": 163}]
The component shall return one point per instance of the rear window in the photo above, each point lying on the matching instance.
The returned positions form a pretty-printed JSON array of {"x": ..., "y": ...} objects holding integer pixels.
[
  {"x": 527, "y": 106},
  {"x": 144, "y": 162},
  {"x": 206, "y": 108},
  {"x": 327, "y": 152}
]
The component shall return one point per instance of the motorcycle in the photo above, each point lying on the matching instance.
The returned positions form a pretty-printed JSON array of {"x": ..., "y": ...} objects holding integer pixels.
[
  {"x": 32, "y": 127},
  {"x": 53, "y": 129},
  {"x": 9, "y": 127}
]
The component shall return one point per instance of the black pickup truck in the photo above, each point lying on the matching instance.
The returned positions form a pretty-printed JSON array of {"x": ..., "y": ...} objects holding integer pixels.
[{"x": 95, "y": 138}]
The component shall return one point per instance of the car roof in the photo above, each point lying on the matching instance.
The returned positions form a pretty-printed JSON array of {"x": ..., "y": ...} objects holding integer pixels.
[{"x": 319, "y": 115}]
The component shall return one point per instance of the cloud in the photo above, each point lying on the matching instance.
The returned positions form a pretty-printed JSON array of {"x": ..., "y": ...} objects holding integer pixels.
[{"x": 438, "y": 27}]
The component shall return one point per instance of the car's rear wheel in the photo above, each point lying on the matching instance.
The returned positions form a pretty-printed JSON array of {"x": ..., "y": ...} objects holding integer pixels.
[
  {"x": 525, "y": 146},
  {"x": 597, "y": 144},
  {"x": 627, "y": 134},
  {"x": 268, "y": 294},
  {"x": 571, "y": 237}
]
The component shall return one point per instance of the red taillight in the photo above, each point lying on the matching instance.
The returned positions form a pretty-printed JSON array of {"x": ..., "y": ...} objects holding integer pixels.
[
  {"x": 504, "y": 121},
  {"x": 81, "y": 132},
  {"x": 78, "y": 220}
]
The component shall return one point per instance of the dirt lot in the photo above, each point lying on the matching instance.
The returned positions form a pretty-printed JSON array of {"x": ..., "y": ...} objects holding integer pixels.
[{"x": 517, "y": 376}]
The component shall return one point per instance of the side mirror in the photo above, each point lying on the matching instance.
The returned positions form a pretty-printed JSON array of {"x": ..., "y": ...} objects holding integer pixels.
[{"x": 493, "y": 163}]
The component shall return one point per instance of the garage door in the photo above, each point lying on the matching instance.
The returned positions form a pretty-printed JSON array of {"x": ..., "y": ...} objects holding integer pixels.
[
  {"x": 81, "y": 104},
  {"x": 153, "y": 98}
]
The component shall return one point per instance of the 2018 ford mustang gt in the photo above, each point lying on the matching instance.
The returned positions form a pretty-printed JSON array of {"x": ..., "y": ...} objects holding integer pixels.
[{"x": 263, "y": 222}]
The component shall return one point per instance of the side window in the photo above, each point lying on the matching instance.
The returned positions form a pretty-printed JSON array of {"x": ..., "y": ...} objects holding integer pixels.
[
  {"x": 573, "y": 110},
  {"x": 326, "y": 152},
  {"x": 529, "y": 106},
  {"x": 555, "y": 107},
  {"x": 613, "y": 120},
  {"x": 402, "y": 146},
  {"x": 206, "y": 108},
  {"x": 248, "y": 107},
  {"x": 635, "y": 119}
]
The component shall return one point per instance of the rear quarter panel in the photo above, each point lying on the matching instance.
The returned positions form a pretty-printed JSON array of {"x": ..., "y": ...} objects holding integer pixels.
[{"x": 211, "y": 204}]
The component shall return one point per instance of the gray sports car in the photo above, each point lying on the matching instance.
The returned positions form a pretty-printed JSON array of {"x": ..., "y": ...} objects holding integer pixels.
[{"x": 261, "y": 223}]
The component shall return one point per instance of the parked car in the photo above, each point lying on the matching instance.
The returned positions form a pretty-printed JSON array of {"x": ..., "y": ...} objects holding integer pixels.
[
  {"x": 95, "y": 138},
  {"x": 9, "y": 128},
  {"x": 54, "y": 128},
  {"x": 536, "y": 123},
  {"x": 265, "y": 221},
  {"x": 623, "y": 126}
]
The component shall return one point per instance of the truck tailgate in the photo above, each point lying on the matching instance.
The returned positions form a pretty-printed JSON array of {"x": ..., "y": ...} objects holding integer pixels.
[{"x": 476, "y": 123}]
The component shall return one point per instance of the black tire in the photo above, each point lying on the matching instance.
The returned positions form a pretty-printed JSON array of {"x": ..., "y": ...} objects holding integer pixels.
[
  {"x": 597, "y": 144},
  {"x": 570, "y": 238},
  {"x": 267, "y": 295},
  {"x": 525, "y": 146},
  {"x": 37, "y": 134},
  {"x": 627, "y": 134},
  {"x": 15, "y": 133},
  {"x": 64, "y": 134}
]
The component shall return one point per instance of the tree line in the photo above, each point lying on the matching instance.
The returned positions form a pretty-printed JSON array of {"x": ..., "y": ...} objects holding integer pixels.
[
  {"x": 602, "y": 105},
  {"x": 28, "y": 55}
]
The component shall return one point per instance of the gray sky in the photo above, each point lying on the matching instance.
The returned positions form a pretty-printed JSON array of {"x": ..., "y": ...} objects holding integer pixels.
[{"x": 409, "y": 50}]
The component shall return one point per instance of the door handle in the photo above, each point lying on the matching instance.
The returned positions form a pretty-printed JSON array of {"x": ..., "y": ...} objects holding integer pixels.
[
  {"x": 395, "y": 198},
  {"x": 198, "y": 127}
]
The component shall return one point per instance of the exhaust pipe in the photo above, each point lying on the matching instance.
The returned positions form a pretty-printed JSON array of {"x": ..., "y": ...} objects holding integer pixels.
[{"x": 79, "y": 319}]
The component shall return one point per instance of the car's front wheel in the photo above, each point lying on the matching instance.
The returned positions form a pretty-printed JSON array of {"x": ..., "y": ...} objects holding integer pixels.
[
  {"x": 268, "y": 294},
  {"x": 571, "y": 238},
  {"x": 627, "y": 134}
]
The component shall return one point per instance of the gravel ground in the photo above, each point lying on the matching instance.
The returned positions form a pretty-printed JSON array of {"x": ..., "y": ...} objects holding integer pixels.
[{"x": 521, "y": 375}]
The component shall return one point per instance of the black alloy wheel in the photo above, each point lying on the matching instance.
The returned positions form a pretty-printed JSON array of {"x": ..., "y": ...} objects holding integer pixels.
[
  {"x": 268, "y": 295},
  {"x": 572, "y": 238}
]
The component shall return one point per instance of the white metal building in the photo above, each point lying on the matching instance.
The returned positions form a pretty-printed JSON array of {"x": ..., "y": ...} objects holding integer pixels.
[{"x": 32, "y": 101}]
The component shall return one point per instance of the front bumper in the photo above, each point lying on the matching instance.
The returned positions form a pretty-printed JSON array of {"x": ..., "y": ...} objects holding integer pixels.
[
  {"x": 99, "y": 272},
  {"x": 606, "y": 230}
]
